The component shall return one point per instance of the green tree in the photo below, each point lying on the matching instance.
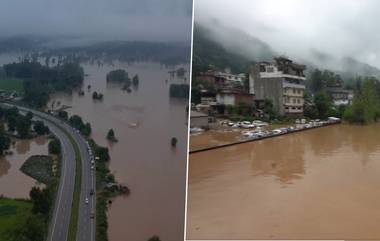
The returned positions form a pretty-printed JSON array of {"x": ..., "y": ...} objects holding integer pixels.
[
  {"x": 63, "y": 114},
  {"x": 4, "y": 143},
  {"x": 102, "y": 153},
  {"x": 40, "y": 128},
  {"x": 135, "y": 80},
  {"x": 29, "y": 115},
  {"x": 366, "y": 104},
  {"x": 23, "y": 125},
  {"x": 86, "y": 129},
  {"x": 323, "y": 104},
  {"x": 32, "y": 230},
  {"x": 11, "y": 123},
  {"x": 268, "y": 108},
  {"x": 154, "y": 238},
  {"x": 118, "y": 75},
  {"x": 316, "y": 81},
  {"x": 111, "y": 135},
  {"x": 76, "y": 121},
  {"x": 41, "y": 200},
  {"x": 54, "y": 147}
]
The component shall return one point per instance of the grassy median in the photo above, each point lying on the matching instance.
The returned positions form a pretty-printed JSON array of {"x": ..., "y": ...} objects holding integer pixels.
[{"x": 77, "y": 190}]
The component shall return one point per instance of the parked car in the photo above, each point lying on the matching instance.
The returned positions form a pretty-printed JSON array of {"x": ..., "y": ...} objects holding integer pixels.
[
  {"x": 259, "y": 123},
  {"x": 247, "y": 126},
  {"x": 196, "y": 130},
  {"x": 276, "y": 131}
]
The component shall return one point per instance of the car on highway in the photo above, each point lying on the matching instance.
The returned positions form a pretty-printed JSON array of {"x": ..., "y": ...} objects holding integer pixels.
[
  {"x": 92, "y": 192},
  {"x": 92, "y": 215},
  {"x": 86, "y": 200}
]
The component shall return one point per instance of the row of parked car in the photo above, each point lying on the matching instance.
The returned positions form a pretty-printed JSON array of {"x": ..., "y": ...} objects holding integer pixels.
[
  {"x": 260, "y": 132},
  {"x": 244, "y": 124}
]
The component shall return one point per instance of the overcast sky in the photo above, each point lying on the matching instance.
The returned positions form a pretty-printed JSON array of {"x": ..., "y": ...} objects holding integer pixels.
[
  {"x": 339, "y": 27},
  {"x": 163, "y": 20}
]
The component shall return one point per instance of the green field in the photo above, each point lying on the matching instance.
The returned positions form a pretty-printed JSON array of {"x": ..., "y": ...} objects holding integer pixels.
[
  {"x": 12, "y": 214},
  {"x": 11, "y": 84}
]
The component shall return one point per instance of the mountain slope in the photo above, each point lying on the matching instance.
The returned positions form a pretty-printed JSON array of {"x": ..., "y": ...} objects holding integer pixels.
[
  {"x": 226, "y": 54},
  {"x": 223, "y": 47}
]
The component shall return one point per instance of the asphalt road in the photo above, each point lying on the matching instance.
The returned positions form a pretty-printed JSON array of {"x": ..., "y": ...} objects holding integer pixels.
[{"x": 58, "y": 230}]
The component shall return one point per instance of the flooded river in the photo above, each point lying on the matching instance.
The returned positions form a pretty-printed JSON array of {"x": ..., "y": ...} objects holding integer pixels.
[
  {"x": 14, "y": 183},
  {"x": 143, "y": 158},
  {"x": 316, "y": 184}
]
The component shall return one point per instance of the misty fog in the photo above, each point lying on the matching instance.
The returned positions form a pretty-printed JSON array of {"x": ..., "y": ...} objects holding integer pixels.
[
  {"x": 319, "y": 31},
  {"x": 140, "y": 20}
]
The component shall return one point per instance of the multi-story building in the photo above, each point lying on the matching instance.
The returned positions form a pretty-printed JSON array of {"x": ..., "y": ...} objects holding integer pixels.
[
  {"x": 220, "y": 78},
  {"x": 281, "y": 81},
  {"x": 234, "y": 97},
  {"x": 340, "y": 96}
]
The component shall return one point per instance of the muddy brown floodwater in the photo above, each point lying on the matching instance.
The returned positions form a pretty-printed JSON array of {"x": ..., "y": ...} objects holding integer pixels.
[
  {"x": 143, "y": 158},
  {"x": 317, "y": 184},
  {"x": 14, "y": 183}
]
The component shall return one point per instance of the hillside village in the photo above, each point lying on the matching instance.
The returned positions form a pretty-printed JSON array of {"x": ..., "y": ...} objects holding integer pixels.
[{"x": 270, "y": 91}]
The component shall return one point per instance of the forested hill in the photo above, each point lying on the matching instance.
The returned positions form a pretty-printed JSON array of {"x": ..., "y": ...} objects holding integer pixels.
[
  {"x": 233, "y": 48},
  {"x": 207, "y": 52}
]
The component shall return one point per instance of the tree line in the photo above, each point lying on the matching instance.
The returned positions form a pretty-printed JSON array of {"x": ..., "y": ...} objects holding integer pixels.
[{"x": 40, "y": 81}]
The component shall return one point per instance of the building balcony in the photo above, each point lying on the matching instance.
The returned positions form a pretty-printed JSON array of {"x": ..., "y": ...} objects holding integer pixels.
[
  {"x": 291, "y": 85},
  {"x": 291, "y": 94},
  {"x": 294, "y": 104},
  {"x": 279, "y": 74}
]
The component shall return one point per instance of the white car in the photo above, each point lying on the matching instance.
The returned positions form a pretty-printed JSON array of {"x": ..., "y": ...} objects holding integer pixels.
[
  {"x": 276, "y": 132},
  {"x": 244, "y": 125},
  {"x": 86, "y": 200},
  {"x": 259, "y": 123}
]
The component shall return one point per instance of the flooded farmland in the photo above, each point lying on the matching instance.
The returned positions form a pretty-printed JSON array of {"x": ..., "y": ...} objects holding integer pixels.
[
  {"x": 13, "y": 182},
  {"x": 316, "y": 184},
  {"x": 144, "y": 122}
]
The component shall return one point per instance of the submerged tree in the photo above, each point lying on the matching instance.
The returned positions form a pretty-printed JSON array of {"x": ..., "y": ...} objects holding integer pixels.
[
  {"x": 154, "y": 238},
  {"x": 111, "y": 136},
  {"x": 135, "y": 80},
  {"x": 174, "y": 142}
]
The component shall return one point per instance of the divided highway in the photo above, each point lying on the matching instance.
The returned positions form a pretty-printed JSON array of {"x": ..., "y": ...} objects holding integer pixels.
[{"x": 59, "y": 226}]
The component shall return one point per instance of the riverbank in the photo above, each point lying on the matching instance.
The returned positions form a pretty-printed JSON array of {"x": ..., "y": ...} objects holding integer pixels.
[{"x": 264, "y": 135}]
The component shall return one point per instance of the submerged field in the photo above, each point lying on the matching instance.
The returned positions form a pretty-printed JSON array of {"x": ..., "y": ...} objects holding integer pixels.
[{"x": 12, "y": 213}]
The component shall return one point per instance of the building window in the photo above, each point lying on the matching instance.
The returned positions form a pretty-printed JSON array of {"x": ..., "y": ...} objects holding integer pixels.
[{"x": 294, "y": 101}]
